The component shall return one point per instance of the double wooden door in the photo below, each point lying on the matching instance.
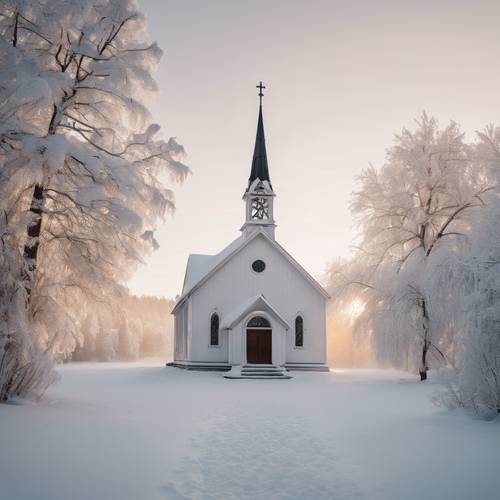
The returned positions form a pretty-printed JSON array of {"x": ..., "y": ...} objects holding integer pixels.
[{"x": 259, "y": 347}]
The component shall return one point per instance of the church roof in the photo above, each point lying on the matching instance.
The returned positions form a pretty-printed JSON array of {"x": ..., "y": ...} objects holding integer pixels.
[
  {"x": 252, "y": 304},
  {"x": 260, "y": 169},
  {"x": 201, "y": 267}
]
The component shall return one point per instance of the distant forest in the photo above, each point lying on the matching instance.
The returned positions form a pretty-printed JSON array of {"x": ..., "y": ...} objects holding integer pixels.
[{"x": 139, "y": 327}]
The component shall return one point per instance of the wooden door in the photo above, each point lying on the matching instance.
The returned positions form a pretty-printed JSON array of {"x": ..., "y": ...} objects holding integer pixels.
[{"x": 259, "y": 347}]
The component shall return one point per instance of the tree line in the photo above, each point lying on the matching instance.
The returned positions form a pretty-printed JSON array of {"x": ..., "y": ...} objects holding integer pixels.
[{"x": 127, "y": 329}]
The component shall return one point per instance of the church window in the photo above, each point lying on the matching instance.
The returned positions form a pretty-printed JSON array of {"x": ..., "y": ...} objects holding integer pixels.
[
  {"x": 258, "y": 266},
  {"x": 299, "y": 331},
  {"x": 214, "y": 329},
  {"x": 259, "y": 322}
]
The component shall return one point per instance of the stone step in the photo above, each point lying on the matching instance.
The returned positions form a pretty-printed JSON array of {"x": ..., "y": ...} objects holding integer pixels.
[
  {"x": 268, "y": 369},
  {"x": 262, "y": 372},
  {"x": 250, "y": 367},
  {"x": 270, "y": 374},
  {"x": 261, "y": 368},
  {"x": 258, "y": 377}
]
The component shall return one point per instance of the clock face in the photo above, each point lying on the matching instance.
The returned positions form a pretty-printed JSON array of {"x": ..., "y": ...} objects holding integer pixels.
[{"x": 260, "y": 208}]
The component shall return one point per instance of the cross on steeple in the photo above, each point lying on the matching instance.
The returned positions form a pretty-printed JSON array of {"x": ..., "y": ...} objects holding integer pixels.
[{"x": 261, "y": 94}]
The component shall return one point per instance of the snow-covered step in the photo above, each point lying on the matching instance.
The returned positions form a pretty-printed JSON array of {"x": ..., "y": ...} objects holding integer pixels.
[
  {"x": 262, "y": 370},
  {"x": 255, "y": 365},
  {"x": 270, "y": 369},
  {"x": 262, "y": 367},
  {"x": 270, "y": 372}
]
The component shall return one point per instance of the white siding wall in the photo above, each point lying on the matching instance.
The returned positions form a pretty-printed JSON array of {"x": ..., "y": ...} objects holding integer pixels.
[
  {"x": 182, "y": 332},
  {"x": 281, "y": 284}
]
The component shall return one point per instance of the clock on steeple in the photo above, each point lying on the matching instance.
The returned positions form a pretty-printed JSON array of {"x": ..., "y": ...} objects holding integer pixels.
[{"x": 260, "y": 209}]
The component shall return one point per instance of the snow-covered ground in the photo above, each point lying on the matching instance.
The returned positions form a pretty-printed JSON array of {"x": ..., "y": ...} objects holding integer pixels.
[{"x": 141, "y": 432}]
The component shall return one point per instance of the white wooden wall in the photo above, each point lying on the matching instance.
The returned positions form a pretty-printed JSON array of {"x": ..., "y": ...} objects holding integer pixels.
[{"x": 182, "y": 326}]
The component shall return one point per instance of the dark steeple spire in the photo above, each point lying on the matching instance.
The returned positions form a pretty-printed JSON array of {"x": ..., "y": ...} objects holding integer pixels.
[{"x": 259, "y": 163}]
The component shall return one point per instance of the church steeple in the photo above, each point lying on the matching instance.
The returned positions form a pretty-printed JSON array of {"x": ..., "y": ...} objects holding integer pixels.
[
  {"x": 259, "y": 193},
  {"x": 260, "y": 169}
]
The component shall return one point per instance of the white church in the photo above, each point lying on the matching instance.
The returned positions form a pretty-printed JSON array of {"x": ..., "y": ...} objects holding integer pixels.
[{"x": 251, "y": 309}]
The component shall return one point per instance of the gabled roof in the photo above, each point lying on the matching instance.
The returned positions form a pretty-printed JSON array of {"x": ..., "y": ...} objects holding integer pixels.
[
  {"x": 260, "y": 187},
  {"x": 255, "y": 303},
  {"x": 260, "y": 169},
  {"x": 201, "y": 267}
]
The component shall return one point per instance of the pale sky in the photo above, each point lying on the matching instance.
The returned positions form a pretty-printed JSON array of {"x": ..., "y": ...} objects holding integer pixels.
[{"x": 342, "y": 78}]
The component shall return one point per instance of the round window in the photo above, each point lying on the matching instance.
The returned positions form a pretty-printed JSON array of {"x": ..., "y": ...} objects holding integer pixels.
[{"x": 258, "y": 266}]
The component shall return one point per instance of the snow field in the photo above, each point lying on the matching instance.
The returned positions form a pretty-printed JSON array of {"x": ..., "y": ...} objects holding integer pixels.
[{"x": 136, "y": 431}]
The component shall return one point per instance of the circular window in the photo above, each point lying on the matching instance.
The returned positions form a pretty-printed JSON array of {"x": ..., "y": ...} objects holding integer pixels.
[{"x": 258, "y": 266}]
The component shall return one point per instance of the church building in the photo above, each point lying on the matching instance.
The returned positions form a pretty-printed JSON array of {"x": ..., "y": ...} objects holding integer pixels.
[{"x": 251, "y": 309}]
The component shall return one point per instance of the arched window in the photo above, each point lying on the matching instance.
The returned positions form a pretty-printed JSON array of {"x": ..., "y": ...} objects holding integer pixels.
[
  {"x": 299, "y": 331},
  {"x": 214, "y": 329},
  {"x": 258, "y": 322}
]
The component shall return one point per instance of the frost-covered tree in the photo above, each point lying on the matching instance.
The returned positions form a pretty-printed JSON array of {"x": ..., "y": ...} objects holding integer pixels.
[
  {"x": 413, "y": 213},
  {"x": 128, "y": 343},
  {"x": 25, "y": 369},
  {"x": 473, "y": 380},
  {"x": 81, "y": 163}
]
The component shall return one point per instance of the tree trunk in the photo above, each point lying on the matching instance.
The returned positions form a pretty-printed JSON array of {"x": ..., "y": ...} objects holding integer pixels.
[
  {"x": 423, "y": 366},
  {"x": 33, "y": 234},
  {"x": 425, "y": 347},
  {"x": 35, "y": 226}
]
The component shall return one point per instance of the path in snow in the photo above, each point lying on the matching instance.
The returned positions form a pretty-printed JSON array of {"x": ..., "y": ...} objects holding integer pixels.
[
  {"x": 137, "y": 432},
  {"x": 264, "y": 455}
]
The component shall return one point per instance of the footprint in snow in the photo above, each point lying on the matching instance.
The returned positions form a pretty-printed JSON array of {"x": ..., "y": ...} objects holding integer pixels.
[{"x": 262, "y": 458}]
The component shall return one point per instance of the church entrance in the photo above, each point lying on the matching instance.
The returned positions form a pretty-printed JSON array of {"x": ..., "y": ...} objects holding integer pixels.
[
  {"x": 259, "y": 341},
  {"x": 259, "y": 347}
]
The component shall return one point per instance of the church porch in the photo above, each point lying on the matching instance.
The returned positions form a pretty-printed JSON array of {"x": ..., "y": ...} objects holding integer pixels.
[{"x": 256, "y": 334}]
